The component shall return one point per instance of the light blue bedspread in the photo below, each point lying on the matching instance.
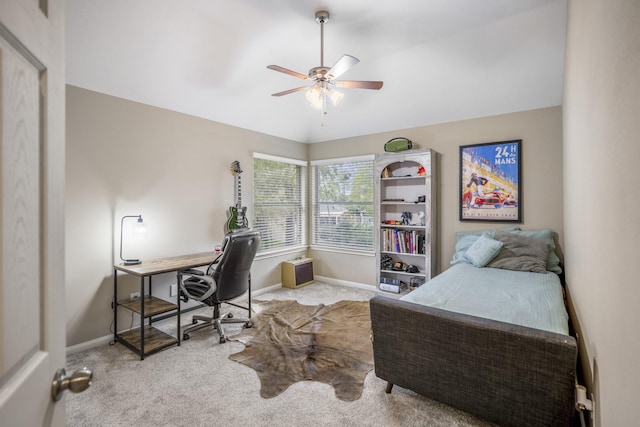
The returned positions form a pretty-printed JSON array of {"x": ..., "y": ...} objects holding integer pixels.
[{"x": 523, "y": 298}]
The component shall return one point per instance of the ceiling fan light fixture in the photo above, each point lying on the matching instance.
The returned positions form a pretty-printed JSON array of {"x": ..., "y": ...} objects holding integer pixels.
[
  {"x": 315, "y": 97},
  {"x": 335, "y": 96}
]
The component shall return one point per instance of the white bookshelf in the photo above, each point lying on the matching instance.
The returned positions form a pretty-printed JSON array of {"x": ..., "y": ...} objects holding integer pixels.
[{"x": 405, "y": 214}]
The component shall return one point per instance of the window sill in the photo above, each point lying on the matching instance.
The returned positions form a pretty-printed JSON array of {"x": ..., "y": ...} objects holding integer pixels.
[
  {"x": 343, "y": 251},
  {"x": 280, "y": 252}
]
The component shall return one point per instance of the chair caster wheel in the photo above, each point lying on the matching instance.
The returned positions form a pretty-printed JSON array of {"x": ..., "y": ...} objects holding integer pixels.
[
  {"x": 185, "y": 337},
  {"x": 248, "y": 325},
  {"x": 230, "y": 316},
  {"x": 223, "y": 340}
]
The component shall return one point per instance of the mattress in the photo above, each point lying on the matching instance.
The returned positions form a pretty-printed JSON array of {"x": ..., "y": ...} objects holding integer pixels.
[{"x": 523, "y": 298}]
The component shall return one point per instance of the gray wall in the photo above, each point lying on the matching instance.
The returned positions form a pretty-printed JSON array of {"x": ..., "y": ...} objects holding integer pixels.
[
  {"x": 541, "y": 134},
  {"x": 602, "y": 227},
  {"x": 125, "y": 158}
]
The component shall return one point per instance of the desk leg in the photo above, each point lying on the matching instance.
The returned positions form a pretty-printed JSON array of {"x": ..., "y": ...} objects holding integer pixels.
[
  {"x": 142, "y": 318},
  {"x": 114, "y": 305},
  {"x": 178, "y": 297},
  {"x": 150, "y": 295}
]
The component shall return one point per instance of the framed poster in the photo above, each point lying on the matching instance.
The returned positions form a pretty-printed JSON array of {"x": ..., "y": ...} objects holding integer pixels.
[{"x": 490, "y": 177}]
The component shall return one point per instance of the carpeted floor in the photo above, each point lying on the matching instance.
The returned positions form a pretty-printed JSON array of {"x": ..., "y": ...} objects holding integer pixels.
[{"x": 197, "y": 385}]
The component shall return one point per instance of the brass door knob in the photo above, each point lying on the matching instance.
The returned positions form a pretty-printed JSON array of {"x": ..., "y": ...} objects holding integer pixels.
[{"x": 77, "y": 382}]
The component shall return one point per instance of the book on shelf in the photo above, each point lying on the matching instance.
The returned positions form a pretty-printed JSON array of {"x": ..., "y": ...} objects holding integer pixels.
[
  {"x": 391, "y": 285},
  {"x": 403, "y": 241},
  {"x": 390, "y": 288}
]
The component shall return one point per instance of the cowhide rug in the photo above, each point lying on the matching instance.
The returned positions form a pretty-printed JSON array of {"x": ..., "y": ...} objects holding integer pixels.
[{"x": 290, "y": 342}]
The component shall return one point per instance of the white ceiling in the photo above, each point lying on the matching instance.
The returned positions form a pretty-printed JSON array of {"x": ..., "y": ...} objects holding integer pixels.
[{"x": 440, "y": 60}]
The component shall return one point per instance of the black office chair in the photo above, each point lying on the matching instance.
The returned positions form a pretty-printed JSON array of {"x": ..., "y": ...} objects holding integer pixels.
[{"x": 226, "y": 279}]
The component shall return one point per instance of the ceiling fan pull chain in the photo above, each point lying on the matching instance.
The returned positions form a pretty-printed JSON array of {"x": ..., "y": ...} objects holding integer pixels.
[{"x": 324, "y": 103}]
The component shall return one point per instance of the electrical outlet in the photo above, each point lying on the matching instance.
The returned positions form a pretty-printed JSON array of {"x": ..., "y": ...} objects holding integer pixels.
[
  {"x": 134, "y": 295},
  {"x": 173, "y": 290}
]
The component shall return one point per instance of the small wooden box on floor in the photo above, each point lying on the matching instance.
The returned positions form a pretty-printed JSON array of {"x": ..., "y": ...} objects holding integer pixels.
[{"x": 297, "y": 273}]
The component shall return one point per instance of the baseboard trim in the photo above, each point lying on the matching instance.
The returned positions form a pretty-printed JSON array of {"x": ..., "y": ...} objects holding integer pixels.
[
  {"x": 585, "y": 376},
  {"x": 108, "y": 338},
  {"x": 333, "y": 281},
  {"x": 267, "y": 289},
  {"x": 89, "y": 344}
]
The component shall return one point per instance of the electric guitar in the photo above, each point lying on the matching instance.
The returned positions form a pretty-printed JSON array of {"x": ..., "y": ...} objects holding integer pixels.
[{"x": 238, "y": 213}]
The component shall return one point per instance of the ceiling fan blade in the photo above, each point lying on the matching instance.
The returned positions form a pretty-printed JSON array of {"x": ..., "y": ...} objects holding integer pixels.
[
  {"x": 287, "y": 92},
  {"x": 287, "y": 71},
  {"x": 343, "y": 64},
  {"x": 357, "y": 84}
]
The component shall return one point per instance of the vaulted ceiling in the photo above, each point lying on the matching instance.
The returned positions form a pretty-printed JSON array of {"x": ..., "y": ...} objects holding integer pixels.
[{"x": 440, "y": 60}]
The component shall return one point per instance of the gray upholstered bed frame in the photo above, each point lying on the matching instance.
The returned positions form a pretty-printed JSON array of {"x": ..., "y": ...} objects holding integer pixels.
[{"x": 504, "y": 373}]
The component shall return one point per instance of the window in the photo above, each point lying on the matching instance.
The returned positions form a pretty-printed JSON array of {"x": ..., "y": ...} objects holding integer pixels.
[
  {"x": 279, "y": 202},
  {"x": 342, "y": 216}
]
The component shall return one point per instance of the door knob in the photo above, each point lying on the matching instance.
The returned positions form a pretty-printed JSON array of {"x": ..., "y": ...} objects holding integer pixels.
[{"x": 77, "y": 382}]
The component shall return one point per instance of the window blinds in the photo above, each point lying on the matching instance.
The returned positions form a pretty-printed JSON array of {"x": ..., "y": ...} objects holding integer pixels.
[
  {"x": 279, "y": 202},
  {"x": 342, "y": 203}
]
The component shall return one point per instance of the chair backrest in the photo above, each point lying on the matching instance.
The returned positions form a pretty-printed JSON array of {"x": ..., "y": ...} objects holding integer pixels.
[{"x": 232, "y": 272}]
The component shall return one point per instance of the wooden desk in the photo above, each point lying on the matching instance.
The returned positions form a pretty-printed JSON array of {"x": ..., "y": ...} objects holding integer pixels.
[{"x": 146, "y": 339}]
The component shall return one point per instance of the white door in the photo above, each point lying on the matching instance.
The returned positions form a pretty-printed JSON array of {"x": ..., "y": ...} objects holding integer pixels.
[{"x": 32, "y": 149}]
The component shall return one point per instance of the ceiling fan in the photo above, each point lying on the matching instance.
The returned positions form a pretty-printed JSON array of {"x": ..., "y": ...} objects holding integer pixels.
[{"x": 323, "y": 79}]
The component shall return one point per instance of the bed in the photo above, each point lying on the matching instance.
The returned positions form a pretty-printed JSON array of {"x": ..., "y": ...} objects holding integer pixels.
[{"x": 489, "y": 336}]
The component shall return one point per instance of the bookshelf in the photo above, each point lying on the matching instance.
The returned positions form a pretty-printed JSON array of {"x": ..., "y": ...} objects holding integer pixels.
[{"x": 405, "y": 214}]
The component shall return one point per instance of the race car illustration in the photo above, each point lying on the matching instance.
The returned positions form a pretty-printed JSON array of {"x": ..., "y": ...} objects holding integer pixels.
[
  {"x": 495, "y": 199},
  {"x": 510, "y": 202}
]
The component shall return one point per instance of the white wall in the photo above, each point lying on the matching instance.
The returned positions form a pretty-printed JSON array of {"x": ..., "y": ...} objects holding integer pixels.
[{"x": 602, "y": 227}]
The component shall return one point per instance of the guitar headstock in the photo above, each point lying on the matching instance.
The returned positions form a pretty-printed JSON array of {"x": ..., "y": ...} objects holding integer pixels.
[{"x": 235, "y": 168}]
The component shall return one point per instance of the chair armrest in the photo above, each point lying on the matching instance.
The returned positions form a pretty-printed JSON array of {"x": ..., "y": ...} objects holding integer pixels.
[
  {"x": 192, "y": 271},
  {"x": 185, "y": 275}
]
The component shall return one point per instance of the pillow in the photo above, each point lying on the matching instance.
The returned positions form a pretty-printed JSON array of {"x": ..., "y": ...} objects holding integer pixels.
[
  {"x": 546, "y": 235},
  {"x": 464, "y": 240},
  {"x": 483, "y": 250},
  {"x": 520, "y": 253}
]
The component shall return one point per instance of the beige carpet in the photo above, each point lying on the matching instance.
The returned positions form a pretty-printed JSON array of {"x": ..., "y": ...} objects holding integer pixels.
[{"x": 197, "y": 385}]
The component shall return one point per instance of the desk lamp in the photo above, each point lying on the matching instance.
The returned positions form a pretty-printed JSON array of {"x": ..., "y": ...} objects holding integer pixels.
[{"x": 140, "y": 228}]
